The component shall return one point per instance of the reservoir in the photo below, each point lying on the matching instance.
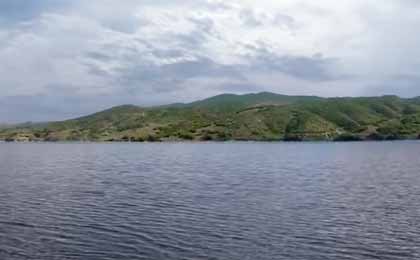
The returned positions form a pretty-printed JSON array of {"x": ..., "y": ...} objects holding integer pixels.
[{"x": 221, "y": 201}]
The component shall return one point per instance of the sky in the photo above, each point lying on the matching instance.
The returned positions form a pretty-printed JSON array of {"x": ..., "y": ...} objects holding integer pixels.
[{"x": 66, "y": 58}]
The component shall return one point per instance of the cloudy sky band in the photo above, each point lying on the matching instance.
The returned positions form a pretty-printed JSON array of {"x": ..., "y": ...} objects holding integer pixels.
[{"x": 62, "y": 58}]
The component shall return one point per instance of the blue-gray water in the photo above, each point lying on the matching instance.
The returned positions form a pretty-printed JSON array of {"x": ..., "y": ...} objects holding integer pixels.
[{"x": 304, "y": 201}]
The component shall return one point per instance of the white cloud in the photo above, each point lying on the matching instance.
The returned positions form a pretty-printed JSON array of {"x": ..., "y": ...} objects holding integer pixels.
[{"x": 166, "y": 51}]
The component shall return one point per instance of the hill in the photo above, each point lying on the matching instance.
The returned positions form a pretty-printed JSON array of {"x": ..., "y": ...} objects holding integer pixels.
[{"x": 262, "y": 117}]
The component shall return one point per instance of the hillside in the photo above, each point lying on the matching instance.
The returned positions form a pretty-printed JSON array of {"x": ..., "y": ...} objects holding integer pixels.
[{"x": 263, "y": 117}]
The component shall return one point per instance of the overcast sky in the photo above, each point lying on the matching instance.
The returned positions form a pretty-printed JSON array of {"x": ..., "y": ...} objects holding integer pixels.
[{"x": 65, "y": 58}]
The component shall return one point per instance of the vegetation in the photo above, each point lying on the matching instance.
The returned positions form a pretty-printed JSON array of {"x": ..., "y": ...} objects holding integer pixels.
[{"x": 261, "y": 117}]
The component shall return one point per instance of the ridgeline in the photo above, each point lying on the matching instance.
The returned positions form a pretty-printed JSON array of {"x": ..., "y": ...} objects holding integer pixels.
[{"x": 259, "y": 117}]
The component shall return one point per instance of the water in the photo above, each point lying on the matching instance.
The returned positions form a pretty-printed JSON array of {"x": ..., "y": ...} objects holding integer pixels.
[{"x": 228, "y": 201}]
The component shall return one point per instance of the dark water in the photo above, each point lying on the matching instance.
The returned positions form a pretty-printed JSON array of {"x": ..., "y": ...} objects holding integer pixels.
[{"x": 210, "y": 201}]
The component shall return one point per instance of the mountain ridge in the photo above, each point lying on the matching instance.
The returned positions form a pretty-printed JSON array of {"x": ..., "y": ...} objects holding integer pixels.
[{"x": 263, "y": 116}]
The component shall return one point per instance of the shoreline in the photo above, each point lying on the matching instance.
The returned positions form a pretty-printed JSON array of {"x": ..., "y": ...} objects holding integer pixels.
[{"x": 204, "y": 142}]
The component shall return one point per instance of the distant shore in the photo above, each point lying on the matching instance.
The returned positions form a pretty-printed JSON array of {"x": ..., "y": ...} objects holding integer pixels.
[
  {"x": 218, "y": 141},
  {"x": 266, "y": 117}
]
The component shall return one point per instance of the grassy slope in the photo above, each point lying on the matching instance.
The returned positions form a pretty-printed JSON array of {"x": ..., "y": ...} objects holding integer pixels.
[{"x": 262, "y": 116}]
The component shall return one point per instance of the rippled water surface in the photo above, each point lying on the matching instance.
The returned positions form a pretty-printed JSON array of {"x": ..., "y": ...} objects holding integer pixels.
[{"x": 228, "y": 201}]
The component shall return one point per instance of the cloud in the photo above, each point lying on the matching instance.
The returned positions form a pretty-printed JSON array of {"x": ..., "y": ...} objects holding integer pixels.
[
  {"x": 146, "y": 52},
  {"x": 18, "y": 11}
]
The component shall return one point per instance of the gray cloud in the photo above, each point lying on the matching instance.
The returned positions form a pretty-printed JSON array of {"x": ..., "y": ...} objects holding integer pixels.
[
  {"x": 253, "y": 19},
  {"x": 140, "y": 78},
  {"x": 250, "y": 19},
  {"x": 314, "y": 68},
  {"x": 63, "y": 58}
]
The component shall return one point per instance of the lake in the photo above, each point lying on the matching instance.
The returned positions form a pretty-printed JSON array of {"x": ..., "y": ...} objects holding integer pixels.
[{"x": 126, "y": 201}]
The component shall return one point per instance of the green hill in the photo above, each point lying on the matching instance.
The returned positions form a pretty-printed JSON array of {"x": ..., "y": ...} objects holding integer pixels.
[{"x": 262, "y": 116}]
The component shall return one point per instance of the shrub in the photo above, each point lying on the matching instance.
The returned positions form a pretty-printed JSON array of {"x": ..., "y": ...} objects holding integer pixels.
[
  {"x": 376, "y": 137},
  {"x": 152, "y": 138},
  {"x": 185, "y": 136},
  {"x": 9, "y": 139},
  {"x": 222, "y": 136},
  {"x": 347, "y": 138},
  {"x": 394, "y": 137},
  {"x": 138, "y": 139},
  {"x": 292, "y": 138},
  {"x": 206, "y": 137},
  {"x": 51, "y": 139}
]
